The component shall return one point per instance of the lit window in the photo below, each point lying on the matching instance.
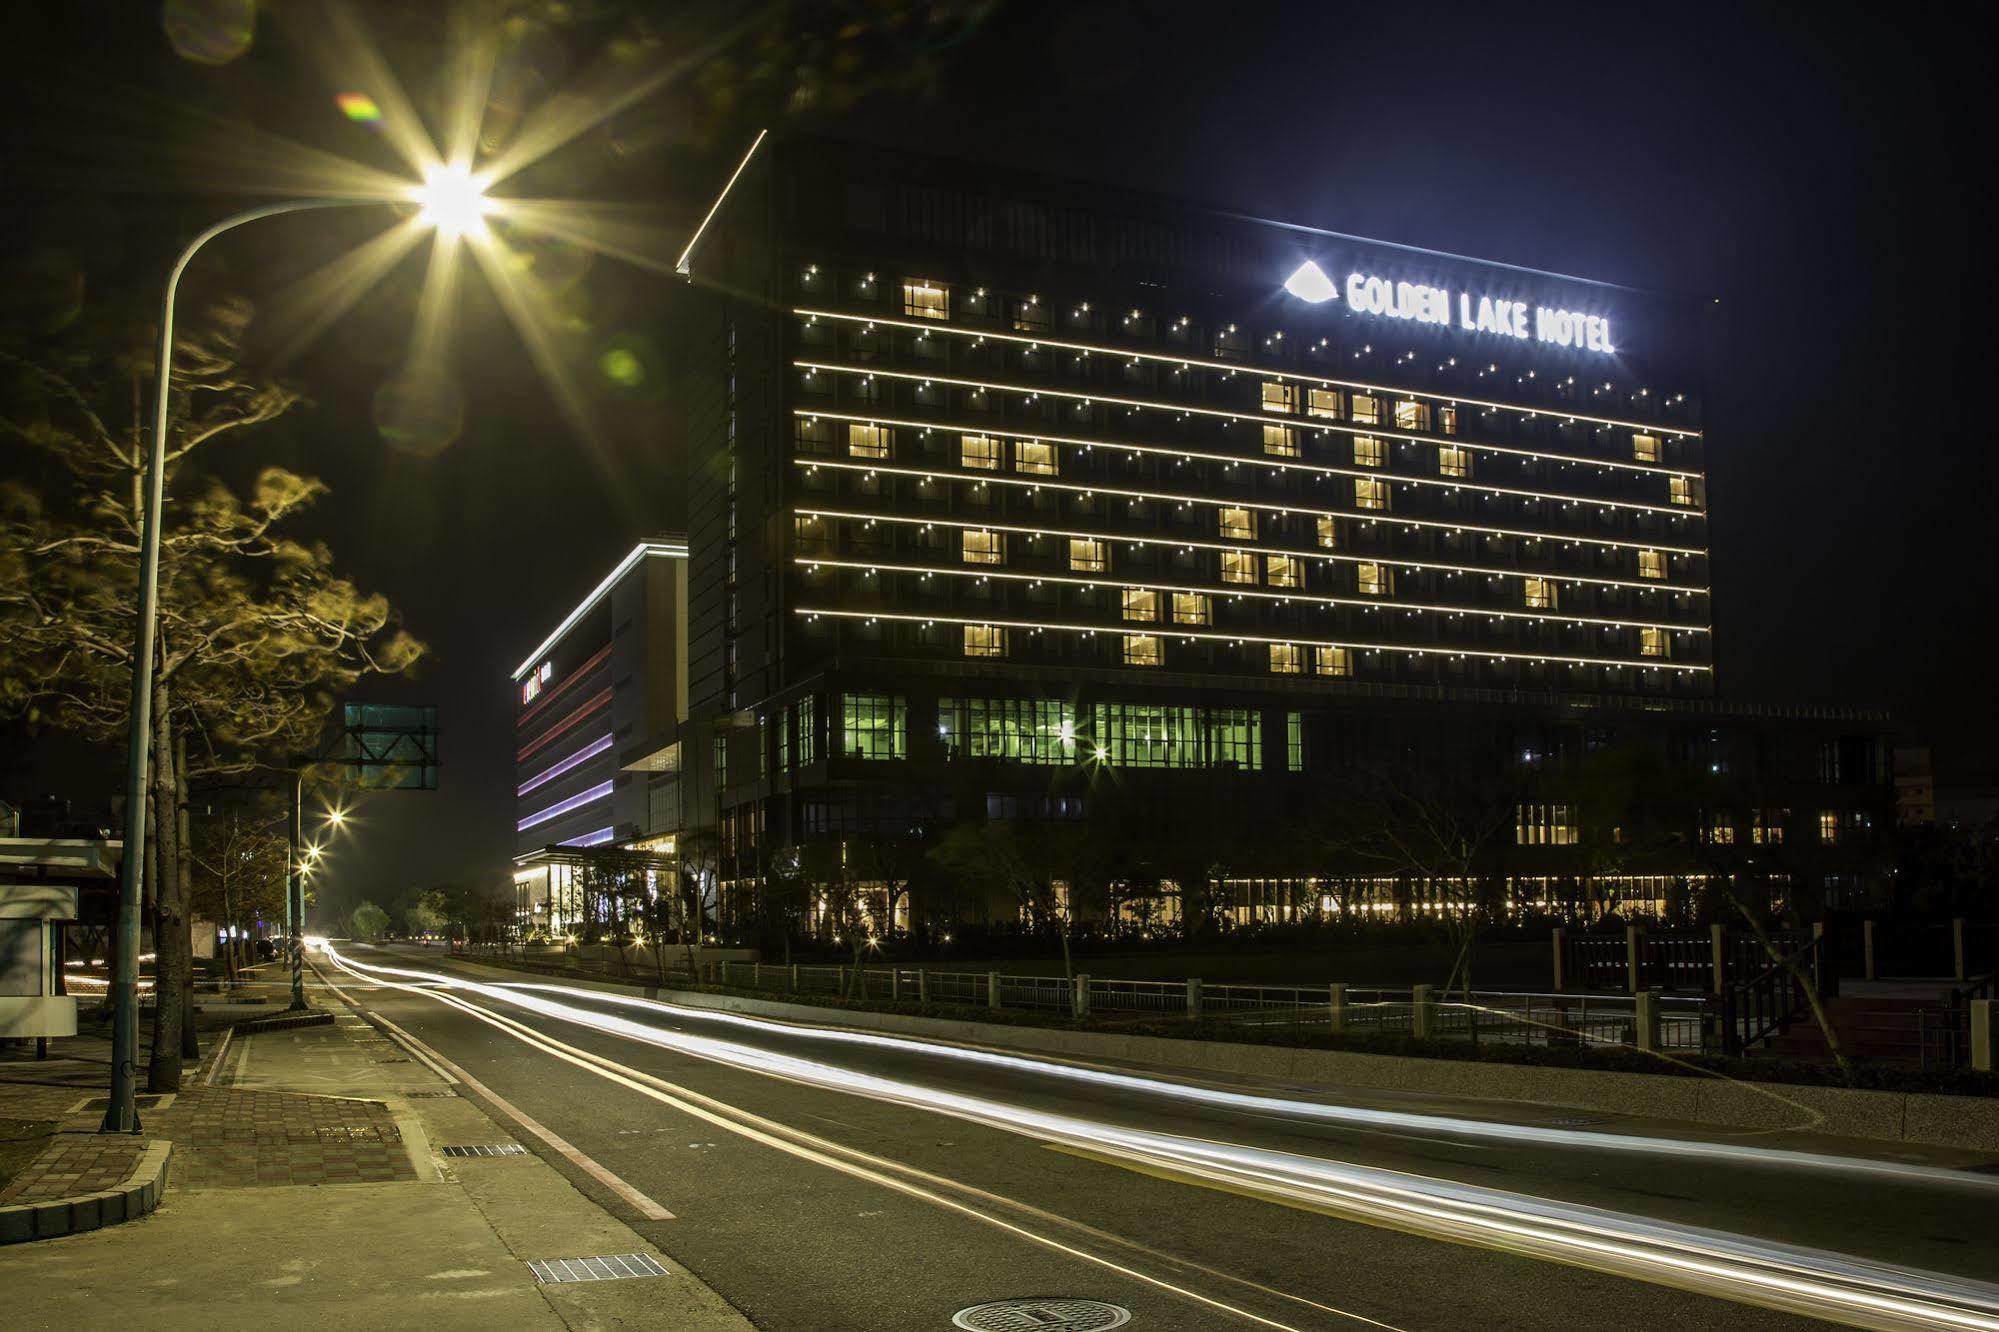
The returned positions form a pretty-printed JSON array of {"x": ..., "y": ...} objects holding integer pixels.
[
  {"x": 871, "y": 726},
  {"x": 1684, "y": 490},
  {"x": 810, "y": 534},
  {"x": 1141, "y": 650},
  {"x": 1370, "y": 492},
  {"x": 867, "y": 441},
  {"x": 980, "y": 451},
  {"x": 1545, "y": 825},
  {"x": 1412, "y": 415},
  {"x": 1654, "y": 643},
  {"x": 1453, "y": 460},
  {"x": 1086, "y": 555},
  {"x": 1720, "y": 830},
  {"x": 1541, "y": 594},
  {"x": 1369, "y": 451},
  {"x": 1022, "y": 730},
  {"x": 1651, "y": 564},
  {"x": 1375, "y": 580},
  {"x": 1279, "y": 396},
  {"x": 1030, "y": 456},
  {"x": 1447, "y": 420},
  {"x": 1285, "y": 659},
  {"x": 1645, "y": 448},
  {"x": 1192, "y": 608},
  {"x": 1769, "y": 827},
  {"x": 1238, "y": 566},
  {"x": 1364, "y": 408},
  {"x": 1280, "y": 441},
  {"x": 1329, "y": 531},
  {"x": 1294, "y": 742},
  {"x": 1332, "y": 660},
  {"x": 1323, "y": 402},
  {"x": 1829, "y": 826},
  {"x": 985, "y": 640},
  {"x": 532, "y": 686},
  {"x": 923, "y": 299},
  {"x": 984, "y": 547},
  {"x": 1284, "y": 570},
  {"x": 1141, "y": 604},
  {"x": 1238, "y": 525}
]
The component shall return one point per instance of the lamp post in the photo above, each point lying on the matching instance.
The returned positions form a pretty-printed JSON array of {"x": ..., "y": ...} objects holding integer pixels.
[{"x": 451, "y": 199}]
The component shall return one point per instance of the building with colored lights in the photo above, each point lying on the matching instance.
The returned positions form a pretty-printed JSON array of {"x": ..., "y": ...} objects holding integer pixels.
[
  {"x": 1022, "y": 501},
  {"x": 598, "y": 708}
]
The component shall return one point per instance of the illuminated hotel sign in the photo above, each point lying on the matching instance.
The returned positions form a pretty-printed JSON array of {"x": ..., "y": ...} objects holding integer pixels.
[{"x": 1466, "y": 311}]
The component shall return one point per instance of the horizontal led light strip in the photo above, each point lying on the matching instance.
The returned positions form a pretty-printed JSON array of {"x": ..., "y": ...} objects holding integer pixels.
[
  {"x": 583, "y": 755},
  {"x": 590, "y": 705},
  {"x": 1230, "y": 590},
  {"x": 661, "y": 549},
  {"x": 1295, "y": 420},
  {"x": 1163, "y": 632},
  {"x": 598, "y": 792},
  {"x": 1029, "y": 481},
  {"x": 598, "y": 838},
  {"x": 562, "y": 686},
  {"x": 1243, "y": 368},
  {"x": 1268, "y": 461},
  {"x": 1388, "y": 561}
]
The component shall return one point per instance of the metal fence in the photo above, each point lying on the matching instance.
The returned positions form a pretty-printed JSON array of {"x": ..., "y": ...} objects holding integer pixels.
[{"x": 1651, "y": 1021}]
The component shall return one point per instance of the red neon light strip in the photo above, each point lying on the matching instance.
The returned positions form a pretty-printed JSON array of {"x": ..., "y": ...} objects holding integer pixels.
[
  {"x": 595, "y": 702},
  {"x": 550, "y": 694}
]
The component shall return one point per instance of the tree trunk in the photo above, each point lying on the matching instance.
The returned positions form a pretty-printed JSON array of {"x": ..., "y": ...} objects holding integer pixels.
[
  {"x": 190, "y": 1047},
  {"x": 170, "y": 911}
]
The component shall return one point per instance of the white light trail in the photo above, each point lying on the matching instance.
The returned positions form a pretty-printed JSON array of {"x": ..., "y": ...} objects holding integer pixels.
[{"x": 1814, "y": 1282}]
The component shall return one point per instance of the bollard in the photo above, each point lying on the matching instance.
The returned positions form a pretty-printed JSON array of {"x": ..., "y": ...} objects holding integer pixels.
[
  {"x": 895, "y": 982},
  {"x": 1336, "y": 1003},
  {"x": 1957, "y": 969},
  {"x": 1422, "y": 1011},
  {"x": 756, "y": 975},
  {"x": 1193, "y": 998},
  {"x": 1082, "y": 996},
  {"x": 992, "y": 989},
  {"x": 1985, "y": 1035},
  {"x": 922, "y": 986},
  {"x": 1645, "y": 1020},
  {"x": 794, "y": 978},
  {"x": 1718, "y": 958},
  {"x": 1867, "y": 950},
  {"x": 1561, "y": 937},
  {"x": 1634, "y": 955}
]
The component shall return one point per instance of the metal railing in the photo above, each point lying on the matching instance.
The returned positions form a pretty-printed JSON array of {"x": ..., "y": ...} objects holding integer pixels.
[{"x": 1684, "y": 1023}]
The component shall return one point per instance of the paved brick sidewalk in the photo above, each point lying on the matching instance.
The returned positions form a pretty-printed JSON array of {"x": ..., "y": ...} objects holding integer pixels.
[
  {"x": 73, "y": 1165},
  {"x": 225, "y": 1137}
]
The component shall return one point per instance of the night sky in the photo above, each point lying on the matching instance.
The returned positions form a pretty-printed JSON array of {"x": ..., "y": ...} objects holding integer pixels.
[{"x": 1816, "y": 178}]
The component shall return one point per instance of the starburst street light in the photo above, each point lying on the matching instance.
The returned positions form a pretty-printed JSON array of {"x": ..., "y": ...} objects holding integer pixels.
[{"x": 453, "y": 199}]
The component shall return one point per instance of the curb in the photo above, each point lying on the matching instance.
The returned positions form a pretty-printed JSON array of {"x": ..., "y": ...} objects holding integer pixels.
[
  {"x": 138, "y": 1195},
  {"x": 283, "y": 1021}
]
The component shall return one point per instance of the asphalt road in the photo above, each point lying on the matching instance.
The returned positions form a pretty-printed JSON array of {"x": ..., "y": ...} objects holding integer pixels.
[{"x": 822, "y": 1184}]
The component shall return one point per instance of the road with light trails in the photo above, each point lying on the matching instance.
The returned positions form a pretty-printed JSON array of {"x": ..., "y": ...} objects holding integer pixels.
[{"x": 824, "y": 1179}]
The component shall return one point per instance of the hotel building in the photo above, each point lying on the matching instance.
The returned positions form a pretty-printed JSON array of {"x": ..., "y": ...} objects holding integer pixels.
[{"x": 1011, "y": 498}]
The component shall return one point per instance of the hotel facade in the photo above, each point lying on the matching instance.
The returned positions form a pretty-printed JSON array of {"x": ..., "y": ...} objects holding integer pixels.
[{"x": 1012, "y": 499}]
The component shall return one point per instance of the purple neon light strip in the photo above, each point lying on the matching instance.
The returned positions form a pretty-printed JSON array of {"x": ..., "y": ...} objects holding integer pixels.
[
  {"x": 598, "y": 838},
  {"x": 556, "y": 811},
  {"x": 589, "y": 751}
]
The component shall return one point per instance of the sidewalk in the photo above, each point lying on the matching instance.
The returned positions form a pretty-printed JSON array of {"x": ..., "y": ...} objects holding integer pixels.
[{"x": 308, "y": 1186}]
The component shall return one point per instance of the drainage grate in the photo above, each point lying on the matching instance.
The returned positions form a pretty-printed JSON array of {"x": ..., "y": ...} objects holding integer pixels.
[
  {"x": 616, "y": 1267},
  {"x": 487, "y": 1149},
  {"x": 1058, "y": 1313},
  {"x": 397, "y": 1060},
  {"x": 419, "y": 1095}
]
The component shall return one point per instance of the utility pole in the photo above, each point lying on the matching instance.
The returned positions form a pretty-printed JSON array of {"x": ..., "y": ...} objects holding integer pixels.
[{"x": 295, "y": 898}]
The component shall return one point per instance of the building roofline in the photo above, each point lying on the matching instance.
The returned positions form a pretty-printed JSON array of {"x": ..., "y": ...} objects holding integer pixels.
[
  {"x": 1138, "y": 195},
  {"x": 662, "y": 547}
]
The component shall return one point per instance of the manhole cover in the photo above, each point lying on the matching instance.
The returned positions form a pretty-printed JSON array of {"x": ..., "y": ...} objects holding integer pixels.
[
  {"x": 1056, "y": 1313},
  {"x": 616, "y": 1267},
  {"x": 487, "y": 1149}
]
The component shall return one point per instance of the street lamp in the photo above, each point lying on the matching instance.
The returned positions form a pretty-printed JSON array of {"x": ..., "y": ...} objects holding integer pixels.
[{"x": 452, "y": 199}]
